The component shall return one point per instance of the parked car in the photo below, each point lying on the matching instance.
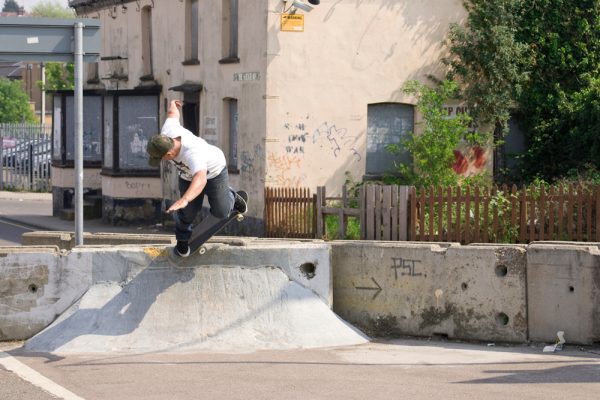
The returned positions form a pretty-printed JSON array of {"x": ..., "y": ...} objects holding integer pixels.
[
  {"x": 41, "y": 160},
  {"x": 8, "y": 152}
]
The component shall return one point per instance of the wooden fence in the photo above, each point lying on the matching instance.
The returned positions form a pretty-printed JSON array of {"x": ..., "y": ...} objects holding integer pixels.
[
  {"x": 505, "y": 215},
  {"x": 289, "y": 212},
  {"x": 452, "y": 214}
]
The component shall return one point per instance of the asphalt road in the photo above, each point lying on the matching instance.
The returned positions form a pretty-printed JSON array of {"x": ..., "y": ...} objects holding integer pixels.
[
  {"x": 10, "y": 233},
  {"x": 403, "y": 369}
]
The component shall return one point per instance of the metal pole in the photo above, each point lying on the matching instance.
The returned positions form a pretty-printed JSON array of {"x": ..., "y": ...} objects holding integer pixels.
[
  {"x": 78, "y": 58},
  {"x": 43, "y": 113},
  {"x": 3, "y": 163}
]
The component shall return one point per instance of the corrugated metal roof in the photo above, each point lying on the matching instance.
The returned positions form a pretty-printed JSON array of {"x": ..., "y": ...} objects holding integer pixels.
[
  {"x": 84, "y": 6},
  {"x": 11, "y": 69}
]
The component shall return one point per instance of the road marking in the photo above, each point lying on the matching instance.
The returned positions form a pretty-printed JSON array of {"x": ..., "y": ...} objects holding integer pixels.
[
  {"x": 4, "y": 221},
  {"x": 35, "y": 378}
]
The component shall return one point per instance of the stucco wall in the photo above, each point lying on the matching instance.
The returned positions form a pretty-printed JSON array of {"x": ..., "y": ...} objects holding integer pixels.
[
  {"x": 121, "y": 37},
  {"x": 302, "y": 96},
  {"x": 320, "y": 81}
]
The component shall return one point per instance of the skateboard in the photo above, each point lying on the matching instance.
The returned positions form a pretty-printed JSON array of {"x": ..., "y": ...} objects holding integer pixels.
[{"x": 209, "y": 227}]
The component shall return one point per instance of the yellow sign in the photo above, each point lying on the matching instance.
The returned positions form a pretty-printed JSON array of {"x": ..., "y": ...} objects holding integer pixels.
[{"x": 292, "y": 22}]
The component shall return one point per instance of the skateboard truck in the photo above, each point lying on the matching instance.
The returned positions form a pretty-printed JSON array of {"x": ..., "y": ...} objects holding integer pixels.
[{"x": 210, "y": 226}]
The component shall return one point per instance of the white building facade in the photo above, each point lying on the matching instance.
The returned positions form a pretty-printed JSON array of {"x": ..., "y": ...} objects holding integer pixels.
[{"x": 294, "y": 98}]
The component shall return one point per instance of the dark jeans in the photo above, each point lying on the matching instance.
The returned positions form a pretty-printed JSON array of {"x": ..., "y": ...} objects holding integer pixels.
[{"x": 221, "y": 199}]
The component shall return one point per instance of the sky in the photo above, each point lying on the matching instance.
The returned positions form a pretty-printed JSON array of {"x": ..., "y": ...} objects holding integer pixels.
[{"x": 29, "y": 4}]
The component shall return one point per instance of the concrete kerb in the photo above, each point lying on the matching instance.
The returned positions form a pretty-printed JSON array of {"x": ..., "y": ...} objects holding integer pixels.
[{"x": 66, "y": 240}]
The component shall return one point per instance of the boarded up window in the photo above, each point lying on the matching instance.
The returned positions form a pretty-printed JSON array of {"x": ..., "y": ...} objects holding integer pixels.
[
  {"x": 138, "y": 122},
  {"x": 92, "y": 128},
  {"x": 387, "y": 123}
]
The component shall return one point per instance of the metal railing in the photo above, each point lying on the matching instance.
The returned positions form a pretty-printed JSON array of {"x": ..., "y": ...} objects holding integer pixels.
[{"x": 26, "y": 157}]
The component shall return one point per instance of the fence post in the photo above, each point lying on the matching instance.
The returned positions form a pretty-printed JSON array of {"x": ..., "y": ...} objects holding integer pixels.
[
  {"x": 362, "y": 209},
  {"x": 320, "y": 204},
  {"x": 343, "y": 220}
]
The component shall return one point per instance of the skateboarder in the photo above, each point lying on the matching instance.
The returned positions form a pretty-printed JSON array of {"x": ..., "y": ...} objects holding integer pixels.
[{"x": 202, "y": 171}]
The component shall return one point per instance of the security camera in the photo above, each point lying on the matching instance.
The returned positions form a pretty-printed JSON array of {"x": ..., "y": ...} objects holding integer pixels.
[{"x": 302, "y": 6}]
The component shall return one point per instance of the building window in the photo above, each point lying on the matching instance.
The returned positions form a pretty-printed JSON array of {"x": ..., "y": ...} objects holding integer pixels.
[
  {"x": 63, "y": 153},
  {"x": 93, "y": 76},
  {"x": 190, "y": 111},
  {"x": 147, "y": 43},
  {"x": 191, "y": 33},
  {"x": 387, "y": 123},
  {"x": 230, "y": 128},
  {"x": 230, "y": 32}
]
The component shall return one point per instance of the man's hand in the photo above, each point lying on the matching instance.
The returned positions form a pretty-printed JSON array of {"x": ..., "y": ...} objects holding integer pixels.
[
  {"x": 174, "y": 107},
  {"x": 181, "y": 203}
]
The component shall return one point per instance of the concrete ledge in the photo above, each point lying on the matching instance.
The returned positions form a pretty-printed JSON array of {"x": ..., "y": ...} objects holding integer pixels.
[{"x": 66, "y": 240}]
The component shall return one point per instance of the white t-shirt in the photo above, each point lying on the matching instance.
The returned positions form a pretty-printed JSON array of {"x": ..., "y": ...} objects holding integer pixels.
[{"x": 196, "y": 154}]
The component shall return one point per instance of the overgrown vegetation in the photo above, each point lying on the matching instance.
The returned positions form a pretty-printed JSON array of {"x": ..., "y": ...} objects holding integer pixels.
[
  {"x": 539, "y": 60},
  {"x": 432, "y": 149}
]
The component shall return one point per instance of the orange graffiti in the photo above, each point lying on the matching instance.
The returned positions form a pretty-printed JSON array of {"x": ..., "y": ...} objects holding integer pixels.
[{"x": 284, "y": 162}]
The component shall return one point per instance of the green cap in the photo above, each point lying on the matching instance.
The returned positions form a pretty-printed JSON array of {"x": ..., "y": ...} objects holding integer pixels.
[{"x": 157, "y": 148}]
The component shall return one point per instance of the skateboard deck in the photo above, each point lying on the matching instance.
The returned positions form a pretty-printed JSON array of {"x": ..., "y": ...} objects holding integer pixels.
[{"x": 209, "y": 227}]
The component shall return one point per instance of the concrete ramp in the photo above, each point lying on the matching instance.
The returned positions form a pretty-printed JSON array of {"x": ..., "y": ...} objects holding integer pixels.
[{"x": 214, "y": 307}]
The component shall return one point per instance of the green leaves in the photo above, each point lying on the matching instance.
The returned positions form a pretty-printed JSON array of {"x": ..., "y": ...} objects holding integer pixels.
[
  {"x": 14, "y": 103},
  {"x": 59, "y": 76},
  {"x": 538, "y": 59},
  {"x": 432, "y": 148}
]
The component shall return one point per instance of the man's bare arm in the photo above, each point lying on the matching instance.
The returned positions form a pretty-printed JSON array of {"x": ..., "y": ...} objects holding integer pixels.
[
  {"x": 196, "y": 187},
  {"x": 173, "y": 111}
]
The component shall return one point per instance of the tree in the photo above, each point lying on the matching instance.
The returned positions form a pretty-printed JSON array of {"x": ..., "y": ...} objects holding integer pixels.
[
  {"x": 488, "y": 60},
  {"x": 10, "y": 6},
  {"x": 14, "y": 103},
  {"x": 433, "y": 149},
  {"x": 59, "y": 76},
  {"x": 51, "y": 9},
  {"x": 541, "y": 60},
  {"x": 562, "y": 89}
]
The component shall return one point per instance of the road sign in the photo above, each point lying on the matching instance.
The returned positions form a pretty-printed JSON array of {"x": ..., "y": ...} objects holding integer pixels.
[{"x": 47, "y": 39}]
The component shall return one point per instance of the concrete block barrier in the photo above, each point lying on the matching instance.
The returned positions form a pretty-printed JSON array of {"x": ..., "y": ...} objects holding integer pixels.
[
  {"x": 564, "y": 291},
  {"x": 462, "y": 292},
  {"x": 38, "y": 284}
]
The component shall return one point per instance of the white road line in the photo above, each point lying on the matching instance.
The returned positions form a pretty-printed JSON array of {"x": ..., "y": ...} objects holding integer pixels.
[
  {"x": 35, "y": 378},
  {"x": 4, "y": 221}
]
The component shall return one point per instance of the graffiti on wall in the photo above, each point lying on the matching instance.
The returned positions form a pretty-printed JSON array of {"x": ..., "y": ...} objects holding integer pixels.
[
  {"x": 338, "y": 139},
  {"x": 287, "y": 166},
  {"x": 470, "y": 160}
]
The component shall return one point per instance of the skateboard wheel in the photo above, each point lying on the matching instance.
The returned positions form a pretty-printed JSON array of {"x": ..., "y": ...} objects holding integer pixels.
[
  {"x": 239, "y": 218},
  {"x": 202, "y": 250}
]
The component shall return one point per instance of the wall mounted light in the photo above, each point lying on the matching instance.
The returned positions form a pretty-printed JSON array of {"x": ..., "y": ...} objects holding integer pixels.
[{"x": 301, "y": 5}]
